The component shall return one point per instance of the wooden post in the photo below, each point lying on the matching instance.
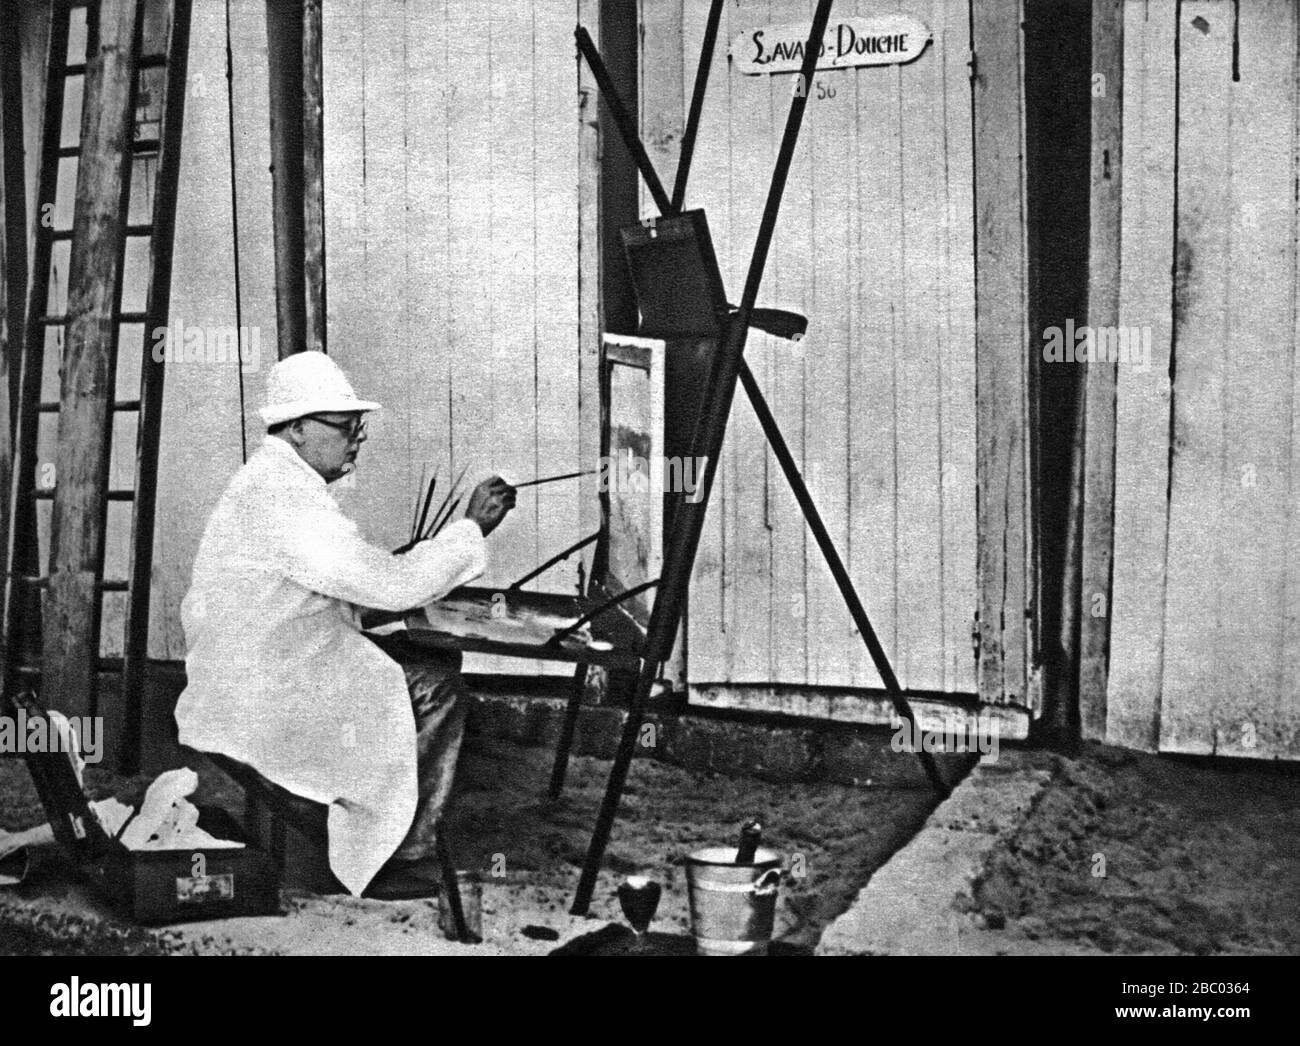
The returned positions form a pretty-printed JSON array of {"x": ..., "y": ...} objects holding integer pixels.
[
  {"x": 313, "y": 165},
  {"x": 1099, "y": 405},
  {"x": 13, "y": 194},
  {"x": 152, "y": 375},
  {"x": 13, "y": 258},
  {"x": 589, "y": 283},
  {"x": 72, "y": 609},
  {"x": 284, "y": 54},
  {"x": 1005, "y": 535}
]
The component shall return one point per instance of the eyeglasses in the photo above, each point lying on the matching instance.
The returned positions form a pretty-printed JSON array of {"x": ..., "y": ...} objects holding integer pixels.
[{"x": 354, "y": 429}]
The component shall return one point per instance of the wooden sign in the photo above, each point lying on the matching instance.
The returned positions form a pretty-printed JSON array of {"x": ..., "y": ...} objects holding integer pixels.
[{"x": 848, "y": 42}]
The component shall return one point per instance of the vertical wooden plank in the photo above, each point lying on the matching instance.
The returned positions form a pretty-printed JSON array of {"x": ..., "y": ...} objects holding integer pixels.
[
  {"x": 1223, "y": 697},
  {"x": 1253, "y": 716},
  {"x": 347, "y": 87},
  {"x": 555, "y": 339},
  {"x": 708, "y": 188},
  {"x": 72, "y": 611},
  {"x": 590, "y": 275},
  {"x": 663, "y": 85},
  {"x": 13, "y": 266},
  {"x": 510, "y": 309},
  {"x": 284, "y": 34},
  {"x": 957, "y": 427},
  {"x": 1201, "y": 344},
  {"x": 792, "y": 265},
  {"x": 468, "y": 263},
  {"x": 378, "y": 356},
  {"x": 762, "y": 566},
  {"x": 919, "y": 659},
  {"x": 471, "y": 127},
  {"x": 1137, "y": 602},
  {"x": 1001, "y": 339},
  {"x": 313, "y": 176},
  {"x": 873, "y": 503},
  {"x": 201, "y": 396},
  {"x": 1290, "y": 649},
  {"x": 425, "y": 277},
  {"x": 253, "y": 188},
  {"x": 831, "y": 636},
  {"x": 34, "y": 27},
  {"x": 1099, "y": 397}
]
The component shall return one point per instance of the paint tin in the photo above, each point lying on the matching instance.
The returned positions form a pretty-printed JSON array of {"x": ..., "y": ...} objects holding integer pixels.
[{"x": 733, "y": 906}]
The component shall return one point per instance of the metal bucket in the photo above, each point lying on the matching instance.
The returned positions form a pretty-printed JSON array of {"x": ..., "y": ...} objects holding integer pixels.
[{"x": 733, "y": 906}]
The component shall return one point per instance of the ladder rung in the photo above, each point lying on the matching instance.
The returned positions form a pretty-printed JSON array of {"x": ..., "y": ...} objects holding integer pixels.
[
  {"x": 64, "y": 235},
  {"x": 58, "y": 319},
  {"x": 140, "y": 145},
  {"x": 74, "y": 69},
  {"x": 103, "y": 586},
  {"x": 113, "y": 495},
  {"x": 151, "y": 61},
  {"x": 108, "y": 666},
  {"x": 118, "y": 406}
]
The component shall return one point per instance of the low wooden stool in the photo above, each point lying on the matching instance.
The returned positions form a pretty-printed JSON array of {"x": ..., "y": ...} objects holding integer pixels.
[{"x": 294, "y": 832}]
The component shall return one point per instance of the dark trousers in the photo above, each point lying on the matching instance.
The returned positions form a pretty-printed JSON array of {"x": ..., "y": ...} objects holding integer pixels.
[{"x": 440, "y": 704}]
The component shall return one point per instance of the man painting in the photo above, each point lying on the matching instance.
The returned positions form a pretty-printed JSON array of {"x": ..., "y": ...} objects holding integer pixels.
[{"x": 280, "y": 676}]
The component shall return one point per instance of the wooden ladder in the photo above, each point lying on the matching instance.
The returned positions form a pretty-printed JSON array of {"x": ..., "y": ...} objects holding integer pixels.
[{"x": 132, "y": 80}]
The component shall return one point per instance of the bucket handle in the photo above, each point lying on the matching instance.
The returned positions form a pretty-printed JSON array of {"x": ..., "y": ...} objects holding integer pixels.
[
  {"x": 767, "y": 884},
  {"x": 764, "y": 886}
]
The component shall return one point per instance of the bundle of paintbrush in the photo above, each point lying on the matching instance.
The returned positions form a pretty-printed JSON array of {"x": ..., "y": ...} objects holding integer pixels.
[{"x": 424, "y": 526}]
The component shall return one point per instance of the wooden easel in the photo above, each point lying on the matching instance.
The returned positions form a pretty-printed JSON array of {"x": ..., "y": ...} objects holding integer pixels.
[
  {"x": 729, "y": 365},
  {"x": 691, "y": 310}
]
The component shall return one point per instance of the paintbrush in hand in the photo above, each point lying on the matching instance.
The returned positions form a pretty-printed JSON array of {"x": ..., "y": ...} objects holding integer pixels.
[
  {"x": 446, "y": 510},
  {"x": 552, "y": 479}
]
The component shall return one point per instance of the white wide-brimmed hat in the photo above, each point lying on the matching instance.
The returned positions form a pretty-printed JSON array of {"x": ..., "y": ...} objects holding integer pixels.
[{"x": 308, "y": 383}]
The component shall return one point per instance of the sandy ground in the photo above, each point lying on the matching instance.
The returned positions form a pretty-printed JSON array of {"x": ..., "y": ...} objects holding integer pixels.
[
  {"x": 529, "y": 851},
  {"x": 1199, "y": 857}
]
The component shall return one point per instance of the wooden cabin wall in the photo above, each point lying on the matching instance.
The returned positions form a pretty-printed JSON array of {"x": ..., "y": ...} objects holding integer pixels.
[
  {"x": 875, "y": 246},
  {"x": 451, "y": 181},
  {"x": 1204, "y": 652},
  {"x": 200, "y": 447},
  {"x": 451, "y": 172}
]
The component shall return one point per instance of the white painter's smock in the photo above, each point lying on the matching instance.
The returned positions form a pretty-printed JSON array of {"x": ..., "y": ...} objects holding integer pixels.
[{"x": 280, "y": 676}]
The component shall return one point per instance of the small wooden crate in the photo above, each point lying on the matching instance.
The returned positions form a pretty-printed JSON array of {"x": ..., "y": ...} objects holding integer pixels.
[{"x": 154, "y": 887}]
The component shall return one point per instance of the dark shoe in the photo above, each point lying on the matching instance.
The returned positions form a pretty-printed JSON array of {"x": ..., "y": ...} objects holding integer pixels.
[{"x": 405, "y": 881}]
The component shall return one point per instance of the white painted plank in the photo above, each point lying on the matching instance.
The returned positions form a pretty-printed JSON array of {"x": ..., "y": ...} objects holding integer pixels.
[
  {"x": 787, "y": 284},
  {"x": 555, "y": 210},
  {"x": 1238, "y": 713},
  {"x": 829, "y": 123},
  {"x": 1192, "y": 613},
  {"x": 708, "y": 188},
  {"x": 957, "y": 372},
  {"x": 1142, "y": 397},
  {"x": 873, "y": 430},
  {"x": 920, "y": 536}
]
